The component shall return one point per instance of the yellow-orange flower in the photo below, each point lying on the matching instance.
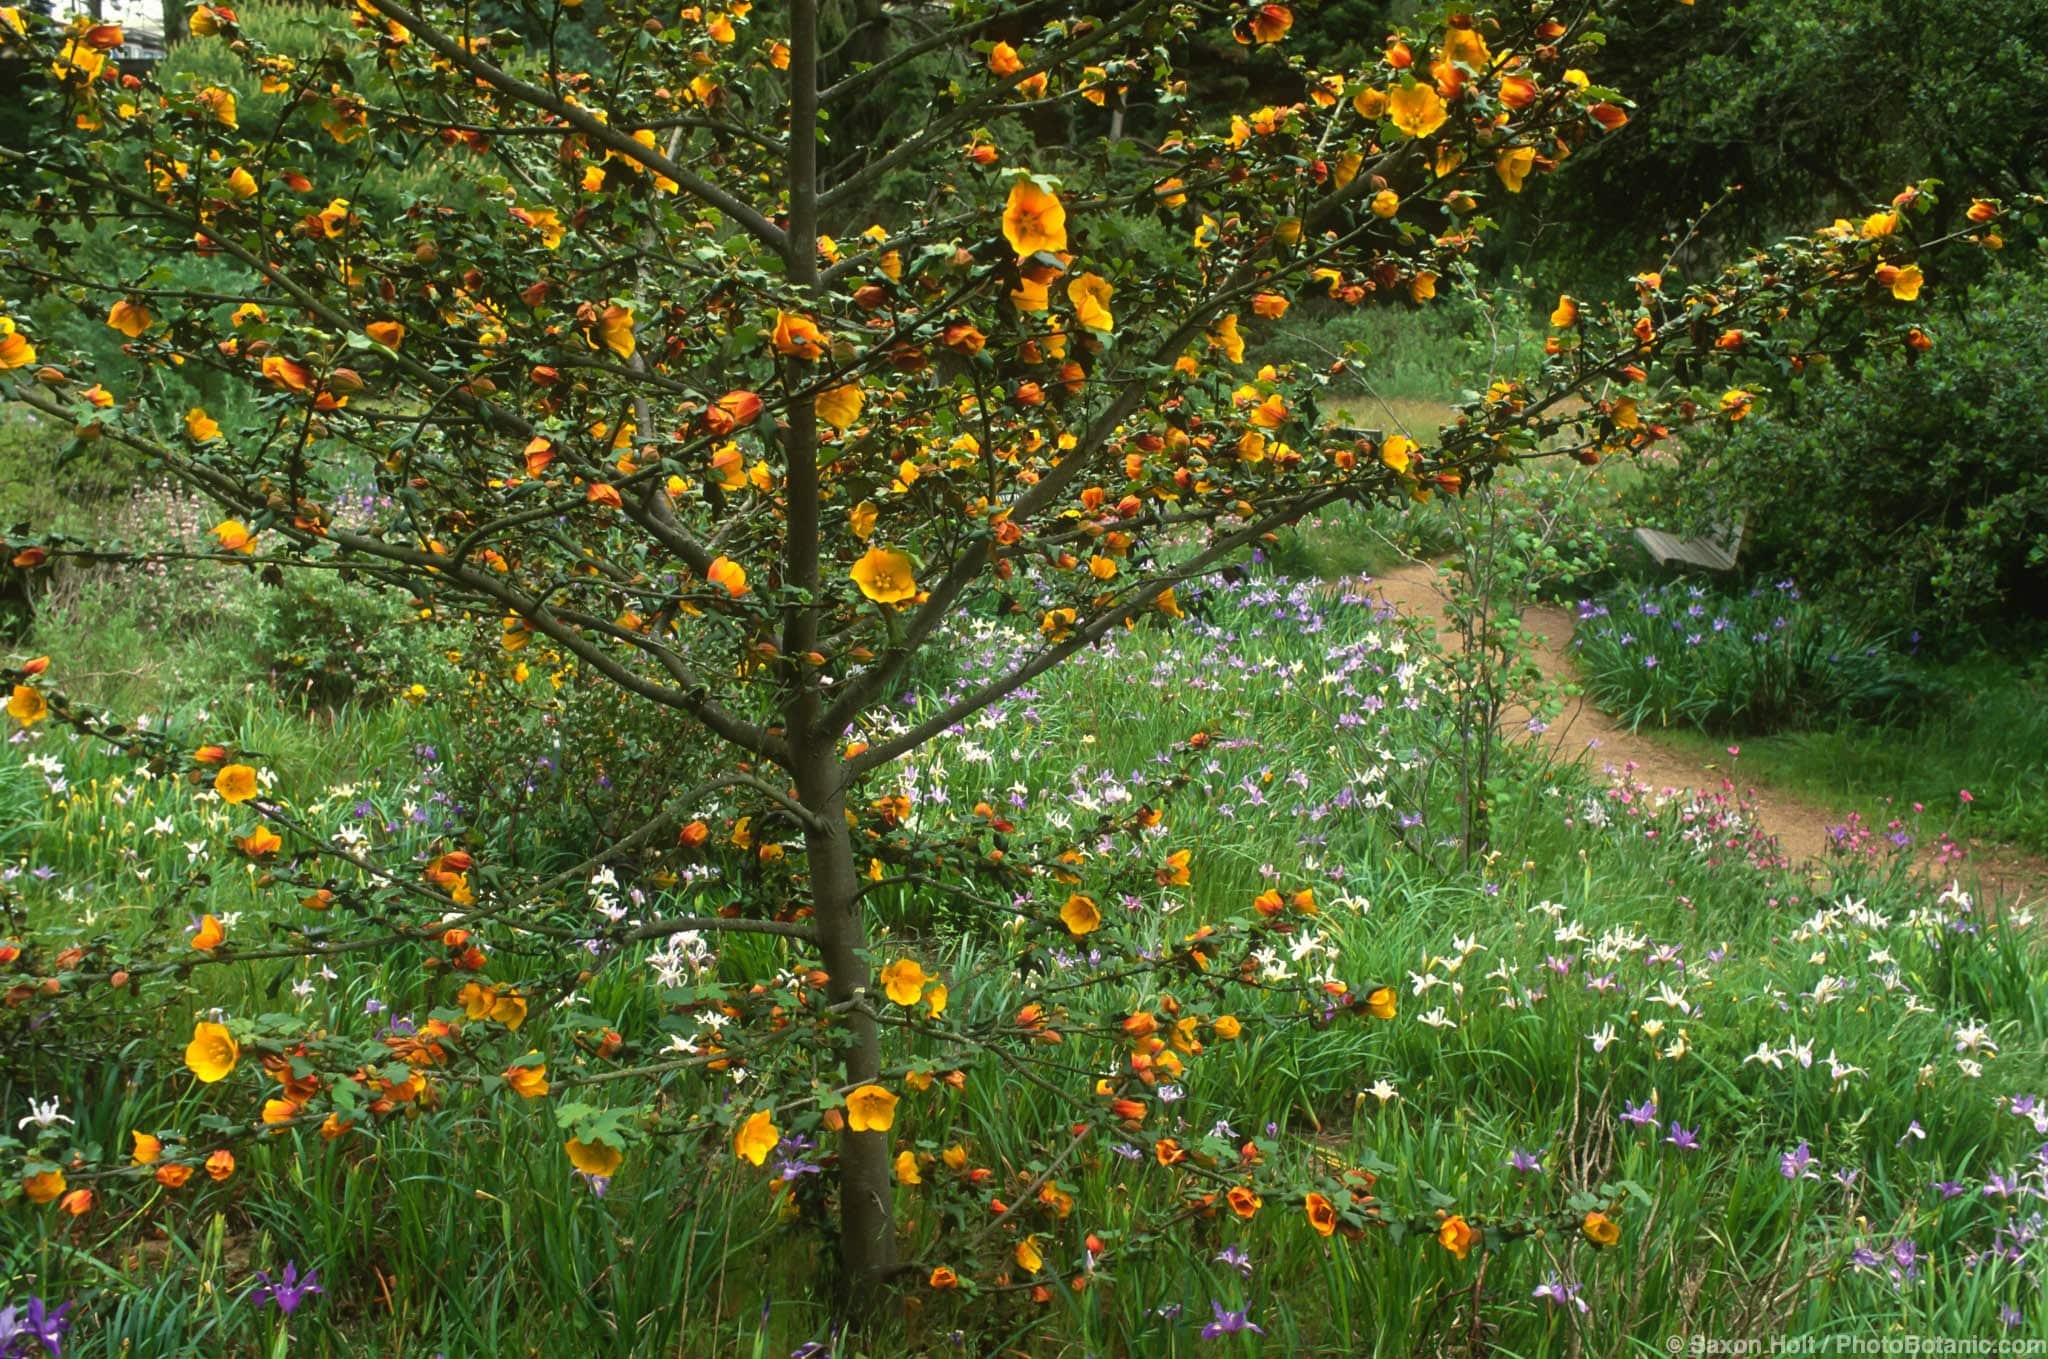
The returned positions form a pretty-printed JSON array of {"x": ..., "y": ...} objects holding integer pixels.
[
  {"x": 756, "y": 1137},
  {"x": 600, "y": 1159},
  {"x": 388, "y": 333},
  {"x": 797, "y": 336},
  {"x": 1417, "y": 110},
  {"x": 130, "y": 318},
  {"x": 1565, "y": 313},
  {"x": 1090, "y": 295},
  {"x": 885, "y": 577},
  {"x": 212, "y": 1053},
  {"x": 149, "y": 1149},
  {"x": 528, "y": 1082},
  {"x": 1034, "y": 219},
  {"x": 1380, "y": 1003},
  {"x": 236, "y": 783},
  {"x": 615, "y": 330},
  {"x": 1513, "y": 166},
  {"x": 839, "y": 407},
  {"x": 201, "y": 427},
  {"x": 1322, "y": 1214},
  {"x": 870, "y": 1109},
  {"x": 903, "y": 981},
  {"x": 1456, "y": 1236},
  {"x": 728, "y": 575},
  {"x": 260, "y": 843},
  {"x": 15, "y": 350},
  {"x": 45, "y": 1186},
  {"x": 906, "y": 1167},
  {"x": 1081, "y": 915},
  {"x": 210, "y": 935},
  {"x": 1600, "y": 1229},
  {"x": 27, "y": 706}
]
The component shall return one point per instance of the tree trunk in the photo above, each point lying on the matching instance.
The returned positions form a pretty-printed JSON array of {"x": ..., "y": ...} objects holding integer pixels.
[{"x": 867, "y": 1220}]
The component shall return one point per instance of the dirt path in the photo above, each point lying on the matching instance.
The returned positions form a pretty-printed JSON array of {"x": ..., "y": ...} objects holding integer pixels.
[{"x": 1582, "y": 731}]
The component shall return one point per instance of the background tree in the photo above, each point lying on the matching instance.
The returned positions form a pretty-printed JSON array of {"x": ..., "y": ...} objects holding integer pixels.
[{"x": 674, "y": 400}]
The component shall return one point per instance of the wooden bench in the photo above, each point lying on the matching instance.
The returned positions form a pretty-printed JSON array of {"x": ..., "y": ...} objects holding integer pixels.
[{"x": 1714, "y": 552}]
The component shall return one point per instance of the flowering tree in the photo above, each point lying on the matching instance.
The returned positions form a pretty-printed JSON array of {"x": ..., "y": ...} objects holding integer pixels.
[{"x": 677, "y": 404}]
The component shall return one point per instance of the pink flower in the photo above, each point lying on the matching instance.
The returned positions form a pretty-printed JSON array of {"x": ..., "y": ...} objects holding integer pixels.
[{"x": 1965, "y": 796}]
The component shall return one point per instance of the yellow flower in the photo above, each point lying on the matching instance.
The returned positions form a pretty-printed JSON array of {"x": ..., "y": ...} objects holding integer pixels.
[
  {"x": 1566, "y": 312},
  {"x": 1034, "y": 220},
  {"x": 599, "y": 1159},
  {"x": 904, "y": 981},
  {"x": 241, "y": 183},
  {"x": 233, "y": 536},
  {"x": 211, "y": 934},
  {"x": 1090, "y": 295},
  {"x": 1080, "y": 915},
  {"x": 861, "y": 519},
  {"x": 1906, "y": 283},
  {"x": 729, "y": 574},
  {"x": 1385, "y": 203},
  {"x": 45, "y": 1186},
  {"x": 1514, "y": 165},
  {"x": 797, "y": 336},
  {"x": 615, "y": 330},
  {"x": 130, "y": 318},
  {"x": 1380, "y": 1004},
  {"x": 509, "y": 1010},
  {"x": 15, "y": 350},
  {"x": 1417, "y": 110},
  {"x": 839, "y": 407},
  {"x": 219, "y": 105},
  {"x": 148, "y": 1148},
  {"x": 528, "y": 1082},
  {"x": 906, "y": 1168},
  {"x": 756, "y": 1137},
  {"x": 212, "y": 1053},
  {"x": 390, "y": 334},
  {"x": 1027, "y": 1256},
  {"x": 27, "y": 706},
  {"x": 870, "y": 1109},
  {"x": 236, "y": 784},
  {"x": 936, "y": 999},
  {"x": 1456, "y": 1235},
  {"x": 884, "y": 576},
  {"x": 1398, "y": 452},
  {"x": 1224, "y": 336},
  {"x": 279, "y": 1111},
  {"x": 1227, "y": 1027},
  {"x": 1423, "y": 286},
  {"x": 1600, "y": 1229},
  {"x": 202, "y": 427}
]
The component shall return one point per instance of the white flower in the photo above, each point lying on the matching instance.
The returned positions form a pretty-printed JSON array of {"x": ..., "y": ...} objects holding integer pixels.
[
  {"x": 1602, "y": 1037},
  {"x": 1437, "y": 1019},
  {"x": 1765, "y": 1055},
  {"x": 1382, "y": 1091},
  {"x": 1974, "y": 1038},
  {"x": 43, "y": 1115}
]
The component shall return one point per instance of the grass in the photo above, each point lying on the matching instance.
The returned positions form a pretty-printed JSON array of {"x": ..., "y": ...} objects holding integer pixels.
[
  {"x": 458, "y": 1229},
  {"x": 1983, "y": 729}
]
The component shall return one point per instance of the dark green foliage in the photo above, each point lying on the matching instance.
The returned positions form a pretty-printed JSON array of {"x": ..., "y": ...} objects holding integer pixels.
[
  {"x": 1914, "y": 488},
  {"x": 1811, "y": 106}
]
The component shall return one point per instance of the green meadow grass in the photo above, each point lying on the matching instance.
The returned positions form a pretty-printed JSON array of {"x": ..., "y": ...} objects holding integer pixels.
[{"x": 460, "y": 1231}]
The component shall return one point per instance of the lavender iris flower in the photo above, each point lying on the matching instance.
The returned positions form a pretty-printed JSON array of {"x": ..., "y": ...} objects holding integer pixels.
[
  {"x": 1230, "y": 1323},
  {"x": 290, "y": 1291}
]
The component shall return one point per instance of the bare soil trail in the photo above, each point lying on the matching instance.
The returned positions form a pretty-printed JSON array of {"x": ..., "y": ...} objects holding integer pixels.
[{"x": 1582, "y": 731}]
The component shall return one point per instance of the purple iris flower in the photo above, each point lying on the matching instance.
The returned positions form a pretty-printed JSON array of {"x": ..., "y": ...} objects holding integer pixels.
[
  {"x": 1642, "y": 1115},
  {"x": 33, "y": 1323},
  {"x": 1526, "y": 1162},
  {"x": 1685, "y": 1139},
  {"x": 1793, "y": 1165},
  {"x": 1560, "y": 1294},
  {"x": 1230, "y": 1323},
  {"x": 1235, "y": 1257},
  {"x": 289, "y": 1291}
]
